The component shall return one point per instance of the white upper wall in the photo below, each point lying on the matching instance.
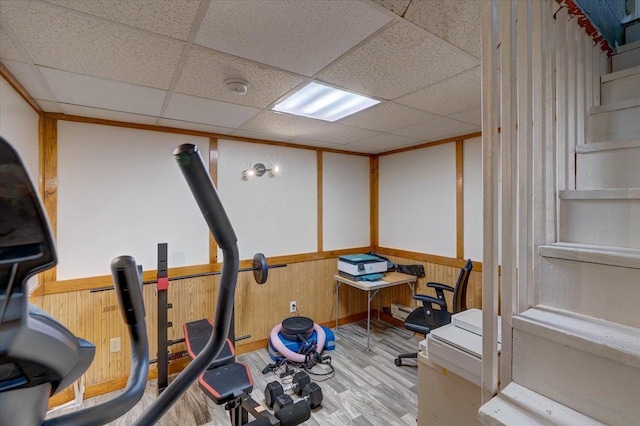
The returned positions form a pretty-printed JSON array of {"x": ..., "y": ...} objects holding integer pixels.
[
  {"x": 19, "y": 126},
  {"x": 472, "y": 173},
  {"x": 417, "y": 200},
  {"x": 271, "y": 215},
  {"x": 345, "y": 201},
  {"x": 121, "y": 192}
]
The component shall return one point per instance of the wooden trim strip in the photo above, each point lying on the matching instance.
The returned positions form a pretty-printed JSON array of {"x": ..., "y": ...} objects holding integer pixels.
[
  {"x": 374, "y": 202},
  {"x": 429, "y": 258},
  {"x": 165, "y": 129},
  {"x": 38, "y": 291},
  {"x": 434, "y": 143},
  {"x": 90, "y": 283},
  {"x": 48, "y": 181},
  {"x": 320, "y": 206},
  {"x": 459, "y": 200},
  {"x": 213, "y": 172},
  {"x": 13, "y": 82}
]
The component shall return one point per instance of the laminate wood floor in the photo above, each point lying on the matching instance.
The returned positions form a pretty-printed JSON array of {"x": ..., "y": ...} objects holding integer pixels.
[{"x": 367, "y": 388}]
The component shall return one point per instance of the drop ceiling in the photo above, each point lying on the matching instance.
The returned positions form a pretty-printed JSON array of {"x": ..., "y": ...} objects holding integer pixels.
[{"x": 164, "y": 62}]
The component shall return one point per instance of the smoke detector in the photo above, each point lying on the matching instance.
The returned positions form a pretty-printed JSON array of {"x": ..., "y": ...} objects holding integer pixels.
[{"x": 237, "y": 85}]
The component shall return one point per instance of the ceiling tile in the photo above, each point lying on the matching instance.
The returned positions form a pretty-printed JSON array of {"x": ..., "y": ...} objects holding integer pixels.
[
  {"x": 363, "y": 149},
  {"x": 111, "y": 95},
  {"x": 259, "y": 135},
  {"x": 301, "y": 127},
  {"x": 440, "y": 128},
  {"x": 384, "y": 141},
  {"x": 458, "y": 93},
  {"x": 8, "y": 50},
  {"x": 172, "y": 18},
  {"x": 398, "y": 61},
  {"x": 299, "y": 36},
  {"x": 48, "y": 106},
  {"x": 200, "y": 110},
  {"x": 27, "y": 76},
  {"x": 84, "y": 111},
  {"x": 396, "y": 6},
  {"x": 472, "y": 116},
  {"x": 64, "y": 39},
  {"x": 455, "y": 21},
  {"x": 386, "y": 117},
  {"x": 178, "y": 124},
  {"x": 319, "y": 144},
  {"x": 204, "y": 74}
]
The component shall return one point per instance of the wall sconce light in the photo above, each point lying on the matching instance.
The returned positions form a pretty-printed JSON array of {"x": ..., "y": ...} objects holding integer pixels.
[{"x": 259, "y": 170}]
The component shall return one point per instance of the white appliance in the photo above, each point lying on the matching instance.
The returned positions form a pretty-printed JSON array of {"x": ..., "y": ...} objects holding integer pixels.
[
  {"x": 361, "y": 264},
  {"x": 458, "y": 346}
]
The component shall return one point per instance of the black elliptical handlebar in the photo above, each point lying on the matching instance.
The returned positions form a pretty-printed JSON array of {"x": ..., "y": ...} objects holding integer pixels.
[
  {"x": 199, "y": 181},
  {"x": 128, "y": 285}
]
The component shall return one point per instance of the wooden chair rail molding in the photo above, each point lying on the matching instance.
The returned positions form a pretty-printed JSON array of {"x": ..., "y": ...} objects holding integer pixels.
[
  {"x": 89, "y": 283},
  {"x": 433, "y": 143},
  {"x": 425, "y": 257},
  {"x": 90, "y": 120}
]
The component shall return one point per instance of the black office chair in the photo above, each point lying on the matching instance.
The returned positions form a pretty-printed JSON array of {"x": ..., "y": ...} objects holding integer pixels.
[{"x": 425, "y": 318}]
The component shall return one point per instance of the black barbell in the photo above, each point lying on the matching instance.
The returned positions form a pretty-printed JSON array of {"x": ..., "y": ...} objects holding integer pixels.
[{"x": 260, "y": 269}]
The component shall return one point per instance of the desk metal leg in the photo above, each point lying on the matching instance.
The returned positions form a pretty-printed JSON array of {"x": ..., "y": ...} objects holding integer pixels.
[
  {"x": 370, "y": 296},
  {"x": 337, "y": 303}
]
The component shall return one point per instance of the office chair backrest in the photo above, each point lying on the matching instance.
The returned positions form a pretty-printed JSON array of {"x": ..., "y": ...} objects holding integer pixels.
[{"x": 460, "y": 291}]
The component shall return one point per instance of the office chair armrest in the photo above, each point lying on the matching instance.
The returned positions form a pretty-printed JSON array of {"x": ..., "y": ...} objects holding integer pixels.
[
  {"x": 431, "y": 300},
  {"x": 439, "y": 291},
  {"x": 439, "y": 286}
]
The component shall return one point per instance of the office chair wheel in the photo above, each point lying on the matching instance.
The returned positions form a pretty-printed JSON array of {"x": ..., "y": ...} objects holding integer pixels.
[{"x": 397, "y": 362}]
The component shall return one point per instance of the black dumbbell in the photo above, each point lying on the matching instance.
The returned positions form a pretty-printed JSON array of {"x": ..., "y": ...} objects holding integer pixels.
[
  {"x": 275, "y": 389},
  {"x": 311, "y": 394}
]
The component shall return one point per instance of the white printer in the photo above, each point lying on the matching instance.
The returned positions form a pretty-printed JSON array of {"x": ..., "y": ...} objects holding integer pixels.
[
  {"x": 361, "y": 264},
  {"x": 458, "y": 346}
]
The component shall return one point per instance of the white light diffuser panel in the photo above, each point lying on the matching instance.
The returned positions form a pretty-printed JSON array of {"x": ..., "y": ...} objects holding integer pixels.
[{"x": 323, "y": 102}]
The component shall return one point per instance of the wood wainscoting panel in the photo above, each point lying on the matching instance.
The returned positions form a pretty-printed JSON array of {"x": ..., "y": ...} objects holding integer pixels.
[
  {"x": 434, "y": 272},
  {"x": 96, "y": 316}
]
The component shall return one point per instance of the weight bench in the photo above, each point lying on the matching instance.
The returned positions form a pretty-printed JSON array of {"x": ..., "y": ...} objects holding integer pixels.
[{"x": 229, "y": 383}]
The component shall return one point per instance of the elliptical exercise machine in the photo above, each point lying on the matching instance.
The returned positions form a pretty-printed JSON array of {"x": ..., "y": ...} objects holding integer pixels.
[{"x": 39, "y": 356}]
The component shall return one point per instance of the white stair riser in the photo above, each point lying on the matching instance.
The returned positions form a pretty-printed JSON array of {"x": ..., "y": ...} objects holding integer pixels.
[
  {"x": 618, "y": 168},
  {"x": 605, "y": 222},
  {"x": 595, "y": 386},
  {"x": 615, "y": 125},
  {"x": 624, "y": 60},
  {"x": 600, "y": 291},
  {"x": 620, "y": 89}
]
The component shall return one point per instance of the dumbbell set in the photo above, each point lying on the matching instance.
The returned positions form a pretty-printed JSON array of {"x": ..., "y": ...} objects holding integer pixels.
[{"x": 309, "y": 392}]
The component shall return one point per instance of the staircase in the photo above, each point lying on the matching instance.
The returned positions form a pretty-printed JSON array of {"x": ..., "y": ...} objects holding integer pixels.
[{"x": 576, "y": 354}]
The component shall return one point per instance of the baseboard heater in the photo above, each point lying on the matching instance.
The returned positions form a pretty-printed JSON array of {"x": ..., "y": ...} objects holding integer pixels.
[{"x": 400, "y": 312}]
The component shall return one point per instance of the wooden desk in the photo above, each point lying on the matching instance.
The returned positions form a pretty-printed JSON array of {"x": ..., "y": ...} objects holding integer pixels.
[{"x": 372, "y": 288}]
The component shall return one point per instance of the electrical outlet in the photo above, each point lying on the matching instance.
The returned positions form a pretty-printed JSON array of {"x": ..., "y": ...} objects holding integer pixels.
[
  {"x": 293, "y": 306},
  {"x": 114, "y": 345}
]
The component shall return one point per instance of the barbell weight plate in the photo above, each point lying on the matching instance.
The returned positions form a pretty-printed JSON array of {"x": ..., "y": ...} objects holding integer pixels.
[{"x": 260, "y": 268}]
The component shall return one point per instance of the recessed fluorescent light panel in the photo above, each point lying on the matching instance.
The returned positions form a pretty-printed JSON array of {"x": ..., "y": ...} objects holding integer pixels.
[{"x": 324, "y": 103}]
